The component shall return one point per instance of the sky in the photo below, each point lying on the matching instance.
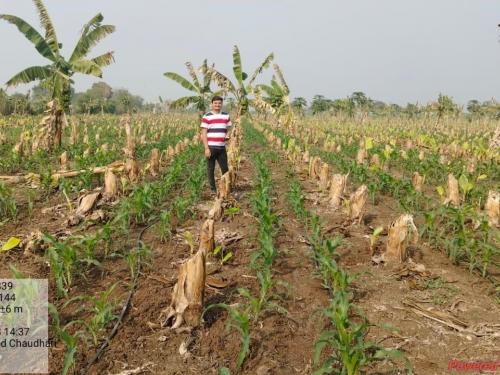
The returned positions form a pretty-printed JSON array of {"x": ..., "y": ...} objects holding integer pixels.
[{"x": 398, "y": 51}]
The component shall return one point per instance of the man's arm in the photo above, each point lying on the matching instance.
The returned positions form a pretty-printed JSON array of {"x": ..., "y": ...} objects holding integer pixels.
[
  {"x": 204, "y": 139},
  {"x": 229, "y": 128}
]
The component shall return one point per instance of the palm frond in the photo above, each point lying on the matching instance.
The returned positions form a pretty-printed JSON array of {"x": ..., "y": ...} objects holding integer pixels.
[
  {"x": 181, "y": 81},
  {"x": 184, "y": 102},
  {"x": 50, "y": 31},
  {"x": 222, "y": 81},
  {"x": 237, "y": 68},
  {"x": 32, "y": 35},
  {"x": 265, "y": 64},
  {"x": 104, "y": 60},
  {"x": 193, "y": 75},
  {"x": 87, "y": 67},
  {"x": 259, "y": 103},
  {"x": 281, "y": 78},
  {"x": 89, "y": 40},
  {"x": 266, "y": 88},
  {"x": 207, "y": 76},
  {"x": 92, "y": 24},
  {"x": 33, "y": 73}
]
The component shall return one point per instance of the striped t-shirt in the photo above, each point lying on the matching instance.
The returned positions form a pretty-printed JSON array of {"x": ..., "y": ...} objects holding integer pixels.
[{"x": 216, "y": 125}]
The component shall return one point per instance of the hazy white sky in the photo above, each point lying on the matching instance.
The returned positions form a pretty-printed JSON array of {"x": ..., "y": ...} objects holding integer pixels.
[{"x": 394, "y": 50}]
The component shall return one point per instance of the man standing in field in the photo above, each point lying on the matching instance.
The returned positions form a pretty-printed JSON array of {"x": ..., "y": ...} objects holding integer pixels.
[{"x": 215, "y": 127}]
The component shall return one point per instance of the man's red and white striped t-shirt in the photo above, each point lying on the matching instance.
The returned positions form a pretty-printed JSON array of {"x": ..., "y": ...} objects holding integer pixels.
[{"x": 216, "y": 125}]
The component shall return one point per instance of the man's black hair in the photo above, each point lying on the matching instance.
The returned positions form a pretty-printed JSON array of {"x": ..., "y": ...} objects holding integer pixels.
[{"x": 217, "y": 97}]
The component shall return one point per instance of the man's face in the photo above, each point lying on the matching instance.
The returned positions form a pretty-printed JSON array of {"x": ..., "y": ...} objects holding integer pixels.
[{"x": 217, "y": 105}]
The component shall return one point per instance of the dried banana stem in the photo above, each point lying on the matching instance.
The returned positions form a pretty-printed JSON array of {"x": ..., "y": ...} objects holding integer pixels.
[
  {"x": 492, "y": 208},
  {"x": 453, "y": 196},
  {"x": 338, "y": 189},
  {"x": 357, "y": 203},
  {"x": 401, "y": 232}
]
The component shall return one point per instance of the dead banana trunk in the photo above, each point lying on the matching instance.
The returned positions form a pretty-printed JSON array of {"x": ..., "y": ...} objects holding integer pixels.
[
  {"x": 188, "y": 294},
  {"x": 492, "y": 208},
  {"x": 324, "y": 177},
  {"x": 154, "y": 162},
  {"x": 357, "y": 203},
  {"x": 401, "y": 232},
  {"x": 110, "y": 184},
  {"x": 337, "y": 190},
  {"x": 453, "y": 196},
  {"x": 224, "y": 186},
  {"x": 417, "y": 182}
]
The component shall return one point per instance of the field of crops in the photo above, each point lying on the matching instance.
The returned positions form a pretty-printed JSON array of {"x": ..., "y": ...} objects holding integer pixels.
[{"x": 334, "y": 246}]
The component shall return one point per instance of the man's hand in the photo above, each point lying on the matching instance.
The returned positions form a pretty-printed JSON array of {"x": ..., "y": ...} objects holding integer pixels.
[{"x": 207, "y": 152}]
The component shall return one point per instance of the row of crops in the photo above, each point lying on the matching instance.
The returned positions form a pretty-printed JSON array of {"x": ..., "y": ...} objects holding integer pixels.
[
  {"x": 450, "y": 188},
  {"x": 114, "y": 202},
  {"x": 80, "y": 216}
]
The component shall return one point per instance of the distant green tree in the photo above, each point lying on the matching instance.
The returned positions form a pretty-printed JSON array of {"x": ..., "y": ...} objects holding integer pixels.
[
  {"x": 101, "y": 92},
  {"x": 4, "y": 103},
  {"x": 412, "y": 110},
  {"x": 360, "y": 99},
  {"x": 320, "y": 104},
  {"x": 379, "y": 107},
  {"x": 474, "y": 107},
  {"x": 299, "y": 104},
  {"x": 40, "y": 96},
  {"x": 395, "y": 109},
  {"x": 86, "y": 102},
  {"x": 344, "y": 107},
  {"x": 124, "y": 102},
  {"x": 445, "y": 106},
  {"x": 20, "y": 104},
  {"x": 362, "y": 103}
]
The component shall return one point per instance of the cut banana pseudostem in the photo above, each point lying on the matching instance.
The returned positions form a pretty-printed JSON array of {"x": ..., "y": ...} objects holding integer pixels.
[
  {"x": 453, "y": 196},
  {"x": 338, "y": 190},
  {"x": 401, "y": 233},
  {"x": 356, "y": 204},
  {"x": 492, "y": 208}
]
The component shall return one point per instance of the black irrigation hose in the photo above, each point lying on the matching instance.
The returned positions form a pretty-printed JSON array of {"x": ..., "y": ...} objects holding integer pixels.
[{"x": 125, "y": 307}]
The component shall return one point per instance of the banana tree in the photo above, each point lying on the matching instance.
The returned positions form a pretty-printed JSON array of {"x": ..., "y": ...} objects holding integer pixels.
[
  {"x": 278, "y": 95},
  {"x": 57, "y": 74},
  {"x": 199, "y": 87},
  {"x": 241, "y": 89}
]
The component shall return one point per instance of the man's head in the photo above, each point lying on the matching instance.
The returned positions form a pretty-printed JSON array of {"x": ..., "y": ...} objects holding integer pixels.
[{"x": 217, "y": 103}]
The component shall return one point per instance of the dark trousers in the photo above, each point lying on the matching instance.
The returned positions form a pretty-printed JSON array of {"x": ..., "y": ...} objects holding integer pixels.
[{"x": 219, "y": 154}]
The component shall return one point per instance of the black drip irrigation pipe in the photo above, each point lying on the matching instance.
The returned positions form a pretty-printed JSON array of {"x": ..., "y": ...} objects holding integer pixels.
[{"x": 125, "y": 307}]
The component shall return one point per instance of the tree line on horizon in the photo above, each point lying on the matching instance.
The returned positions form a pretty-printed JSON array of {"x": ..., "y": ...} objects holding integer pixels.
[
  {"x": 360, "y": 105},
  {"x": 102, "y": 98}
]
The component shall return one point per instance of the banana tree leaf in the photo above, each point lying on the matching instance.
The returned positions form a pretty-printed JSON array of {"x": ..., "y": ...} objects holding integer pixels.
[
  {"x": 181, "y": 81},
  {"x": 237, "y": 69},
  {"x": 50, "y": 31},
  {"x": 33, "y": 73},
  {"x": 32, "y": 35},
  {"x": 90, "y": 40},
  {"x": 11, "y": 244}
]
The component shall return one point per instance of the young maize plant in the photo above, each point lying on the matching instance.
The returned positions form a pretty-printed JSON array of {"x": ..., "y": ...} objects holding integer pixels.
[
  {"x": 8, "y": 205},
  {"x": 262, "y": 206},
  {"x": 348, "y": 350},
  {"x": 240, "y": 320}
]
